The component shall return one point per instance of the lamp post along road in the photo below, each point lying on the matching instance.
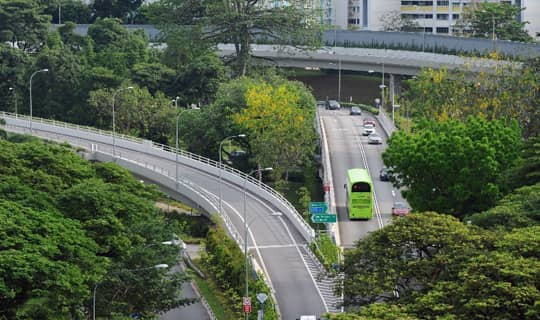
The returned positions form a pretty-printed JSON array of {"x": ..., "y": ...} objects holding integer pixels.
[
  {"x": 339, "y": 81},
  {"x": 176, "y": 144},
  {"x": 246, "y": 230},
  {"x": 14, "y": 97},
  {"x": 113, "y": 121},
  {"x": 32, "y": 76},
  {"x": 221, "y": 167},
  {"x": 158, "y": 266}
]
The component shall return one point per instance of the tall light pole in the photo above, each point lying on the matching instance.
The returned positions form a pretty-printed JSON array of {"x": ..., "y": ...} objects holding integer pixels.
[
  {"x": 14, "y": 97},
  {"x": 394, "y": 107},
  {"x": 113, "y": 122},
  {"x": 32, "y": 76},
  {"x": 246, "y": 229},
  {"x": 220, "y": 167},
  {"x": 381, "y": 86},
  {"x": 339, "y": 81},
  {"x": 158, "y": 266},
  {"x": 176, "y": 143},
  {"x": 60, "y": 12}
]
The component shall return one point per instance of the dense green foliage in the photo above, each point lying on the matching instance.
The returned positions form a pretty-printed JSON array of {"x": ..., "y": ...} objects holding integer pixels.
[
  {"x": 327, "y": 251},
  {"x": 451, "y": 166},
  {"x": 225, "y": 261},
  {"x": 68, "y": 226},
  {"x": 432, "y": 266},
  {"x": 494, "y": 21}
]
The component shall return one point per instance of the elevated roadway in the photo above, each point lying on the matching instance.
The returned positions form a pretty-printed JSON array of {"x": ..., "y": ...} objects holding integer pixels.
[
  {"x": 278, "y": 244},
  {"x": 359, "y": 59}
]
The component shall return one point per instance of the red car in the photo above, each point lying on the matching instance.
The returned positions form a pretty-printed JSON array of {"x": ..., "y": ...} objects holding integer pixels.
[
  {"x": 368, "y": 120},
  {"x": 400, "y": 209}
]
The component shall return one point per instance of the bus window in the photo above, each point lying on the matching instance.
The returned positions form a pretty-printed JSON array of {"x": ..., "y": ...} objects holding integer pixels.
[{"x": 361, "y": 187}]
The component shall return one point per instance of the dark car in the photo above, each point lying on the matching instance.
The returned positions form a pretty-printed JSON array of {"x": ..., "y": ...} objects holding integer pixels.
[
  {"x": 383, "y": 174},
  {"x": 332, "y": 105},
  {"x": 355, "y": 111},
  {"x": 400, "y": 209}
]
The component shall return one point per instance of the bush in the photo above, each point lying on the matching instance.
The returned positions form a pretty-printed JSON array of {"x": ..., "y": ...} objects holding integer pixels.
[{"x": 327, "y": 251}]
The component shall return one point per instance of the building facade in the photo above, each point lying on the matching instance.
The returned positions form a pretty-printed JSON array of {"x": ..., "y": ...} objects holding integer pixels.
[{"x": 432, "y": 16}]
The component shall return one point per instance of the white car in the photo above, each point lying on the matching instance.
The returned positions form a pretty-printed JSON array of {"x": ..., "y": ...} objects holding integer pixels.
[
  {"x": 374, "y": 139},
  {"x": 368, "y": 129}
]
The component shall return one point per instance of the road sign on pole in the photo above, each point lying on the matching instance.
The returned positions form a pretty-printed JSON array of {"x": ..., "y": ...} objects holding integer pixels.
[
  {"x": 323, "y": 218},
  {"x": 318, "y": 207},
  {"x": 246, "y": 304}
]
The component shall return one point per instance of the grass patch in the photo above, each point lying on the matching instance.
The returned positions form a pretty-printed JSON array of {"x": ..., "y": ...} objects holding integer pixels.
[{"x": 211, "y": 292}]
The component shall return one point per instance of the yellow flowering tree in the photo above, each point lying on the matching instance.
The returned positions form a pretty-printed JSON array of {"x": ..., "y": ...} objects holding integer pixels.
[
  {"x": 506, "y": 93},
  {"x": 279, "y": 125}
]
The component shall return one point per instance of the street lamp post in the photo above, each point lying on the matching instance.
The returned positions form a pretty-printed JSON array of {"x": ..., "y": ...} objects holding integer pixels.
[
  {"x": 246, "y": 228},
  {"x": 32, "y": 76},
  {"x": 339, "y": 81},
  {"x": 14, "y": 97},
  {"x": 158, "y": 266},
  {"x": 176, "y": 142},
  {"x": 394, "y": 107},
  {"x": 113, "y": 122},
  {"x": 220, "y": 166}
]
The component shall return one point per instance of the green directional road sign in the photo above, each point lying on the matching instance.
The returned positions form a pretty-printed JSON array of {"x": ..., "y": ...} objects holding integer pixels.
[
  {"x": 318, "y": 207},
  {"x": 323, "y": 218}
]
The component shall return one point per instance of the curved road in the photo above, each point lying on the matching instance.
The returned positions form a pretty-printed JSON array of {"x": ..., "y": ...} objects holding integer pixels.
[
  {"x": 279, "y": 248},
  {"x": 349, "y": 149}
]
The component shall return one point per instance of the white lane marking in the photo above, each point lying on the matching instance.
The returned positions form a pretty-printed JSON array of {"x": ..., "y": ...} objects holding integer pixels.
[
  {"x": 376, "y": 202},
  {"x": 305, "y": 264},
  {"x": 271, "y": 246}
]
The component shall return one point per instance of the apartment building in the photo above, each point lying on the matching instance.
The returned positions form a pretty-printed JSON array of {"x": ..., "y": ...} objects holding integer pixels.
[{"x": 433, "y": 16}]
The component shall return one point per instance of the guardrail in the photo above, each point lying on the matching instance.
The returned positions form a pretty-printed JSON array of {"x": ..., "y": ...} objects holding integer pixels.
[{"x": 230, "y": 174}]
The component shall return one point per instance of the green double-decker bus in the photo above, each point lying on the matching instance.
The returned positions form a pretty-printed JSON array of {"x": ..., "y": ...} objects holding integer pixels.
[{"x": 359, "y": 194}]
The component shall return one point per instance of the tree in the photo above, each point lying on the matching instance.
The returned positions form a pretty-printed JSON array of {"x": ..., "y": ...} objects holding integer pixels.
[
  {"x": 137, "y": 113},
  {"x": 240, "y": 22},
  {"x": 407, "y": 256},
  {"x": 453, "y": 167},
  {"x": 115, "y": 8},
  {"x": 23, "y": 24},
  {"x": 519, "y": 209},
  {"x": 279, "y": 125},
  {"x": 493, "y": 285},
  {"x": 528, "y": 171},
  {"x": 511, "y": 92},
  {"x": 13, "y": 63},
  {"x": 68, "y": 226},
  {"x": 47, "y": 263},
  {"x": 76, "y": 11},
  {"x": 494, "y": 20},
  {"x": 395, "y": 21}
]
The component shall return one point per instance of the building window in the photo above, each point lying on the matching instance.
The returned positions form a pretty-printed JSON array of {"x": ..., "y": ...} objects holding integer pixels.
[
  {"x": 442, "y": 30},
  {"x": 455, "y": 16},
  {"x": 442, "y": 16},
  {"x": 442, "y": 3}
]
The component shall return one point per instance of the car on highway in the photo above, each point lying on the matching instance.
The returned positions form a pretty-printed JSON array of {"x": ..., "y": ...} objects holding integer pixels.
[
  {"x": 369, "y": 120},
  {"x": 400, "y": 209},
  {"x": 356, "y": 111},
  {"x": 383, "y": 174},
  {"x": 368, "y": 129},
  {"x": 374, "y": 139},
  {"x": 332, "y": 105}
]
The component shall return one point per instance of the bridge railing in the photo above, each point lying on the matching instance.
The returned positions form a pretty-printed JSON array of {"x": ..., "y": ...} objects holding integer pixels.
[
  {"x": 293, "y": 213},
  {"x": 140, "y": 145}
]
